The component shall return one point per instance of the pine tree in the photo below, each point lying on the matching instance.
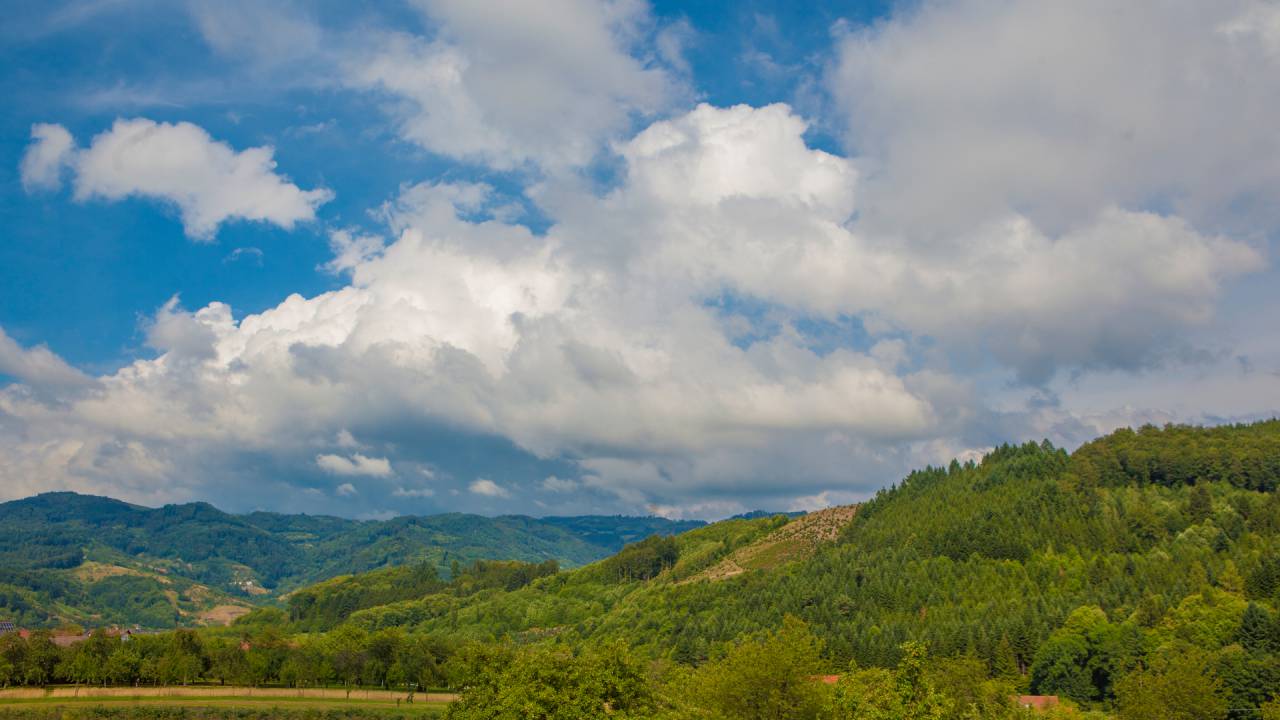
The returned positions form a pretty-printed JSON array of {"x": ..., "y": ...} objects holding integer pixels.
[
  {"x": 1200, "y": 504},
  {"x": 1005, "y": 663},
  {"x": 1255, "y": 629}
]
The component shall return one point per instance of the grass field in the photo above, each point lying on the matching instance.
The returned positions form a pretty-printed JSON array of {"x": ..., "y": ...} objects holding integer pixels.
[{"x": 214, "y": 703}]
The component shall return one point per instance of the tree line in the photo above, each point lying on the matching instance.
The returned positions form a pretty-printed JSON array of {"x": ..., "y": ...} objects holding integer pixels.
[{"x": 258, "y": 656}]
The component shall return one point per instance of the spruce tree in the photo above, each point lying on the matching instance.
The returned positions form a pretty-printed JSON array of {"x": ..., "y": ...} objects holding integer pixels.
[{"x": 1255, "y": 629}]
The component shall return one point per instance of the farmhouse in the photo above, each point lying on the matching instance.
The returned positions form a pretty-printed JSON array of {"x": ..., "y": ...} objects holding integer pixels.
[{"x": 1037, "y": 702}]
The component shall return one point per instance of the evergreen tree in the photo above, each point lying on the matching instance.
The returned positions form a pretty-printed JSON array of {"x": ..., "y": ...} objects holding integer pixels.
[
  {"x": 1256, "y": 629},
  {"x": 1005, "y": 663},
  {"x": 1200, "y": 504}
]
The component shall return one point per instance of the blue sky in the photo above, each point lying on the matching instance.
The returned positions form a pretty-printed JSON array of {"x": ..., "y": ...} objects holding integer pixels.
[
  {"x": 581, "y": 256},
  {"x": 85, "y": 64}
]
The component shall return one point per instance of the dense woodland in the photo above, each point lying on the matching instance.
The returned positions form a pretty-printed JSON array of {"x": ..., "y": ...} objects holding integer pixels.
[
  {"x": 1138, "y": 577},
  {"x": 70, "y": 556}
]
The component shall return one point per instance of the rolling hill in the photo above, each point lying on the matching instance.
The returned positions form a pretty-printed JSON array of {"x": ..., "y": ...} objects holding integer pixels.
[
  {"x": 65, "y": 556},
  {"x": 1058, "y": 572}
]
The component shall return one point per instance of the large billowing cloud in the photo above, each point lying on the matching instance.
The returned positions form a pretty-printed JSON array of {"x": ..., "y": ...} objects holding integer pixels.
[
  {"x": 507, "y": 85},
  {"x": 1008, "y": 248},
  {"x": 655, "y": 337},
  {"x": 965, "y": 110},
  {"x": 1088, "y": 159},
  {"x": 732, "y": 201},
  {"x": 208, "y": 181},
  {"x": 480, "y": 325}
]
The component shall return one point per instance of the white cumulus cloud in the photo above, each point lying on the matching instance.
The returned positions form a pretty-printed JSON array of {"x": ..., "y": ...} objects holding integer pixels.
[
  {"x": 506, "y": 84},
  {"x": 50, "y": 151},
  {"x": 551, "y": 483},
  {"x": 356, "y": 464},
  {"x": 38, "y": 367},
  {"x": 403, "y": 492},
  {"x": 488, "y": 488},
  {"x": 208, "y": 181},
  {"x": 350, "y": 250},
  {"x": 965, "y": 110}
]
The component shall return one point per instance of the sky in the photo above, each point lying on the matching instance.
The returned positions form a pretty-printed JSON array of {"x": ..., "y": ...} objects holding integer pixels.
[{"x": 586, "y": 256}]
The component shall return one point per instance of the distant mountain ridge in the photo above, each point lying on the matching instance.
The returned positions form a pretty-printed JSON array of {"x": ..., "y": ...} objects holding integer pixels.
[
  {"x": 757, "y": 514},
  {"x": 221, "y": 559}
]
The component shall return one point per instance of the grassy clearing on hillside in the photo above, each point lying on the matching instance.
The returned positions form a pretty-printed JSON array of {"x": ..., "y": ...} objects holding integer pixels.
[{"x": 796, "y": 540}]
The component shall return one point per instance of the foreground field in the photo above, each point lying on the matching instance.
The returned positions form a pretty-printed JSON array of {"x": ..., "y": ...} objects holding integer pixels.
[
  {"x": 216, "y": 703},
  {"x": 177, "y": 711},
  {"x": 220, "y": 692}
]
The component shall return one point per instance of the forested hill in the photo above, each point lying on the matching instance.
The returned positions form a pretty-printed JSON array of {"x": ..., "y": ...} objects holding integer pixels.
[
  {"x": 1057, "y": 573},
  {"x": 80, "y": 557}
]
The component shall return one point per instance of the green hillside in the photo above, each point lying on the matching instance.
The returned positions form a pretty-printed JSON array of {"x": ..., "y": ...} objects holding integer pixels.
[
  {"x": 65, "y": 556},
  {"x": 577, "y": 600},
  {"x": 1057, "y": 572}
]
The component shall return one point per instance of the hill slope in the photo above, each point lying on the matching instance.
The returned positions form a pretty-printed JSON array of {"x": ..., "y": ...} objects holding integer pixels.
[
  {"x": 796, "y": 540},
  {"x": 85, "y": 558},
  {"x": 1060, "y": 571}
]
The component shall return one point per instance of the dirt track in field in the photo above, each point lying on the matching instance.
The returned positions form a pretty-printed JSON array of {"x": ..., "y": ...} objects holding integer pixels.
[{"x": 204, "y": 691}]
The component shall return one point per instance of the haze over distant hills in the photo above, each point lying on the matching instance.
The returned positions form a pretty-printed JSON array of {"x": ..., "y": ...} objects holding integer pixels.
[{"x": 82, "y": 557}]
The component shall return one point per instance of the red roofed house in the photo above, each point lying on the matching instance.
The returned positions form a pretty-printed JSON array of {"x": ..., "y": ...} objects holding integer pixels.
[{"x": 1037, "y": 702}]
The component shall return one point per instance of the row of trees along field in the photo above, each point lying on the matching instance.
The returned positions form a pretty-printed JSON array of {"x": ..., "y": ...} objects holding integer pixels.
[
  {"x": 777, "y": 675},
  {"x": 261, "y": 655},
  {"x": 1137, "y": 577}
]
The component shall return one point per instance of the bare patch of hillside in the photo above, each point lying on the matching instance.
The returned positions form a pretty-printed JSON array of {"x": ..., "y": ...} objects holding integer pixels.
[{"x": 796, "y": 540}]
